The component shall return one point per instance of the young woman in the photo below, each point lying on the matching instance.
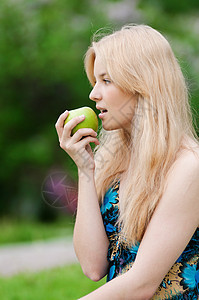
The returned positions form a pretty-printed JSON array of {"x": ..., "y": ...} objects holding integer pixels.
[{"x": 138, "y": 191}]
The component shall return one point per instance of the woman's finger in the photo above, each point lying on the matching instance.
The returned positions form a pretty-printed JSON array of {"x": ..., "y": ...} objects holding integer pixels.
[
  {"x": 83, "y": 132},
  {"x": 60, "y": 123},
  {"x": 88, "y": 139},
  {"x": 89, "y": 149},
  {"x": 70, "y": 125}
]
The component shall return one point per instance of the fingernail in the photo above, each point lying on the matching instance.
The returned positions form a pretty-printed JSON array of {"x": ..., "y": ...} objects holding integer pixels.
[{"x": 82, "y": 116}]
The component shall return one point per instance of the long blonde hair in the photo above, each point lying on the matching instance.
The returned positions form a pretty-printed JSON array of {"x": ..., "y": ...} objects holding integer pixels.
[{"x": 140, "y": 60}]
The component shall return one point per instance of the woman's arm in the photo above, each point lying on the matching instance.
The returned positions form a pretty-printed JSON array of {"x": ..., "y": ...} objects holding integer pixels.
[
  {"x": 168, "y": 233},
  {"x": 90, "y": 239}
]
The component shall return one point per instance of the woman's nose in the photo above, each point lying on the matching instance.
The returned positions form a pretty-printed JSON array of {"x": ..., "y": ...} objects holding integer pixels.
[{"x": 95, "y": 94}]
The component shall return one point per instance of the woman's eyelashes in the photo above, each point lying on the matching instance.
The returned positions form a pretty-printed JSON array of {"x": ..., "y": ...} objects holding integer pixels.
[{"x": 106, "y": 81}]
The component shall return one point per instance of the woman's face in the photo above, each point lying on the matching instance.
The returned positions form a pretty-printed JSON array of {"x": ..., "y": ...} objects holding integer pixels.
[{"x": 119, "y": 105}]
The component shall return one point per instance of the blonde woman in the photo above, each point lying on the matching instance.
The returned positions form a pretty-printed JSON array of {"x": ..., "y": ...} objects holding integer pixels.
[{"x": 138, "y": 191}]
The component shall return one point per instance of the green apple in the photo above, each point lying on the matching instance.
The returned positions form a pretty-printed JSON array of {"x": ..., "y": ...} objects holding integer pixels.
[{"x": 90, "y": 121}]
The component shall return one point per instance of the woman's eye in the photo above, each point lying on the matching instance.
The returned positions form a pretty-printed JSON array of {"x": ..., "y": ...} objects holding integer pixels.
[{"x": 106, "y": 81}]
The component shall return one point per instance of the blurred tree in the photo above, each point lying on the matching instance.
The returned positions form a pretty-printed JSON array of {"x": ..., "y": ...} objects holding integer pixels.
[
  {"x": 174, "y": 7},
  {"x": 42, "y": 44},
  {"x": 178, "y": 20}
]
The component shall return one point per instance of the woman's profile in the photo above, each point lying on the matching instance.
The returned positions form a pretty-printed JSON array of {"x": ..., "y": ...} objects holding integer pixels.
[{"x": 138, "y": 190}]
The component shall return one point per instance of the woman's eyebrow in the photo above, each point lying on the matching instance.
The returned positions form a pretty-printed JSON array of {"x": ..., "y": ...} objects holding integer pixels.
[{"x": 101, "y": 75}]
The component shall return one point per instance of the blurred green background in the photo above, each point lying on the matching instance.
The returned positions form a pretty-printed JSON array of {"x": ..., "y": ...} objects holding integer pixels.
[{"x": 42, "y": 45}]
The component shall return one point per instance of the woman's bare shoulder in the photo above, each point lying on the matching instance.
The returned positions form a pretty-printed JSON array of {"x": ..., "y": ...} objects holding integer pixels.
[
  {"x": 189, "y": 150},
  {"x": 187, "y": 159}
]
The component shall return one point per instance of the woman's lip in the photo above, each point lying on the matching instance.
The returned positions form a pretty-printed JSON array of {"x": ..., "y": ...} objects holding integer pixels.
[{"x": 101, "y": 115}]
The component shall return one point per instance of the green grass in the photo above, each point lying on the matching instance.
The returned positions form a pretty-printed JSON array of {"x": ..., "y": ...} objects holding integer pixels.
[
  {"x": 17, "y": 231},
  {"x": 66, "y": 283}
]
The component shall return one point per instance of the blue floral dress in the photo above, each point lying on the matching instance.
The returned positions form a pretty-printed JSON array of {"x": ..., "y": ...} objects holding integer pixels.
[{"x": 181, "y": 282}]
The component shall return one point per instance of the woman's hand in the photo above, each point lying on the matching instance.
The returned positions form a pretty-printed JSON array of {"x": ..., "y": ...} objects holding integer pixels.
[{"x": 77, "y": 146}]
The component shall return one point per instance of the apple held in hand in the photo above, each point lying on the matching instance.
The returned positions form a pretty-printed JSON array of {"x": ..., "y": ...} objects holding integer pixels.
[{"x": 90, "y": 120}]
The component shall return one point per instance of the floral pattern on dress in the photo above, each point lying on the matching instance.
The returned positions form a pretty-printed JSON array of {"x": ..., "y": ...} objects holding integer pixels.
[{"x": 180, "y": 283}]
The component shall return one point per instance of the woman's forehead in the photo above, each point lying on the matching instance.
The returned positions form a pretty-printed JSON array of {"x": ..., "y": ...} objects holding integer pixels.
[{"x": 99, "y": 68}]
